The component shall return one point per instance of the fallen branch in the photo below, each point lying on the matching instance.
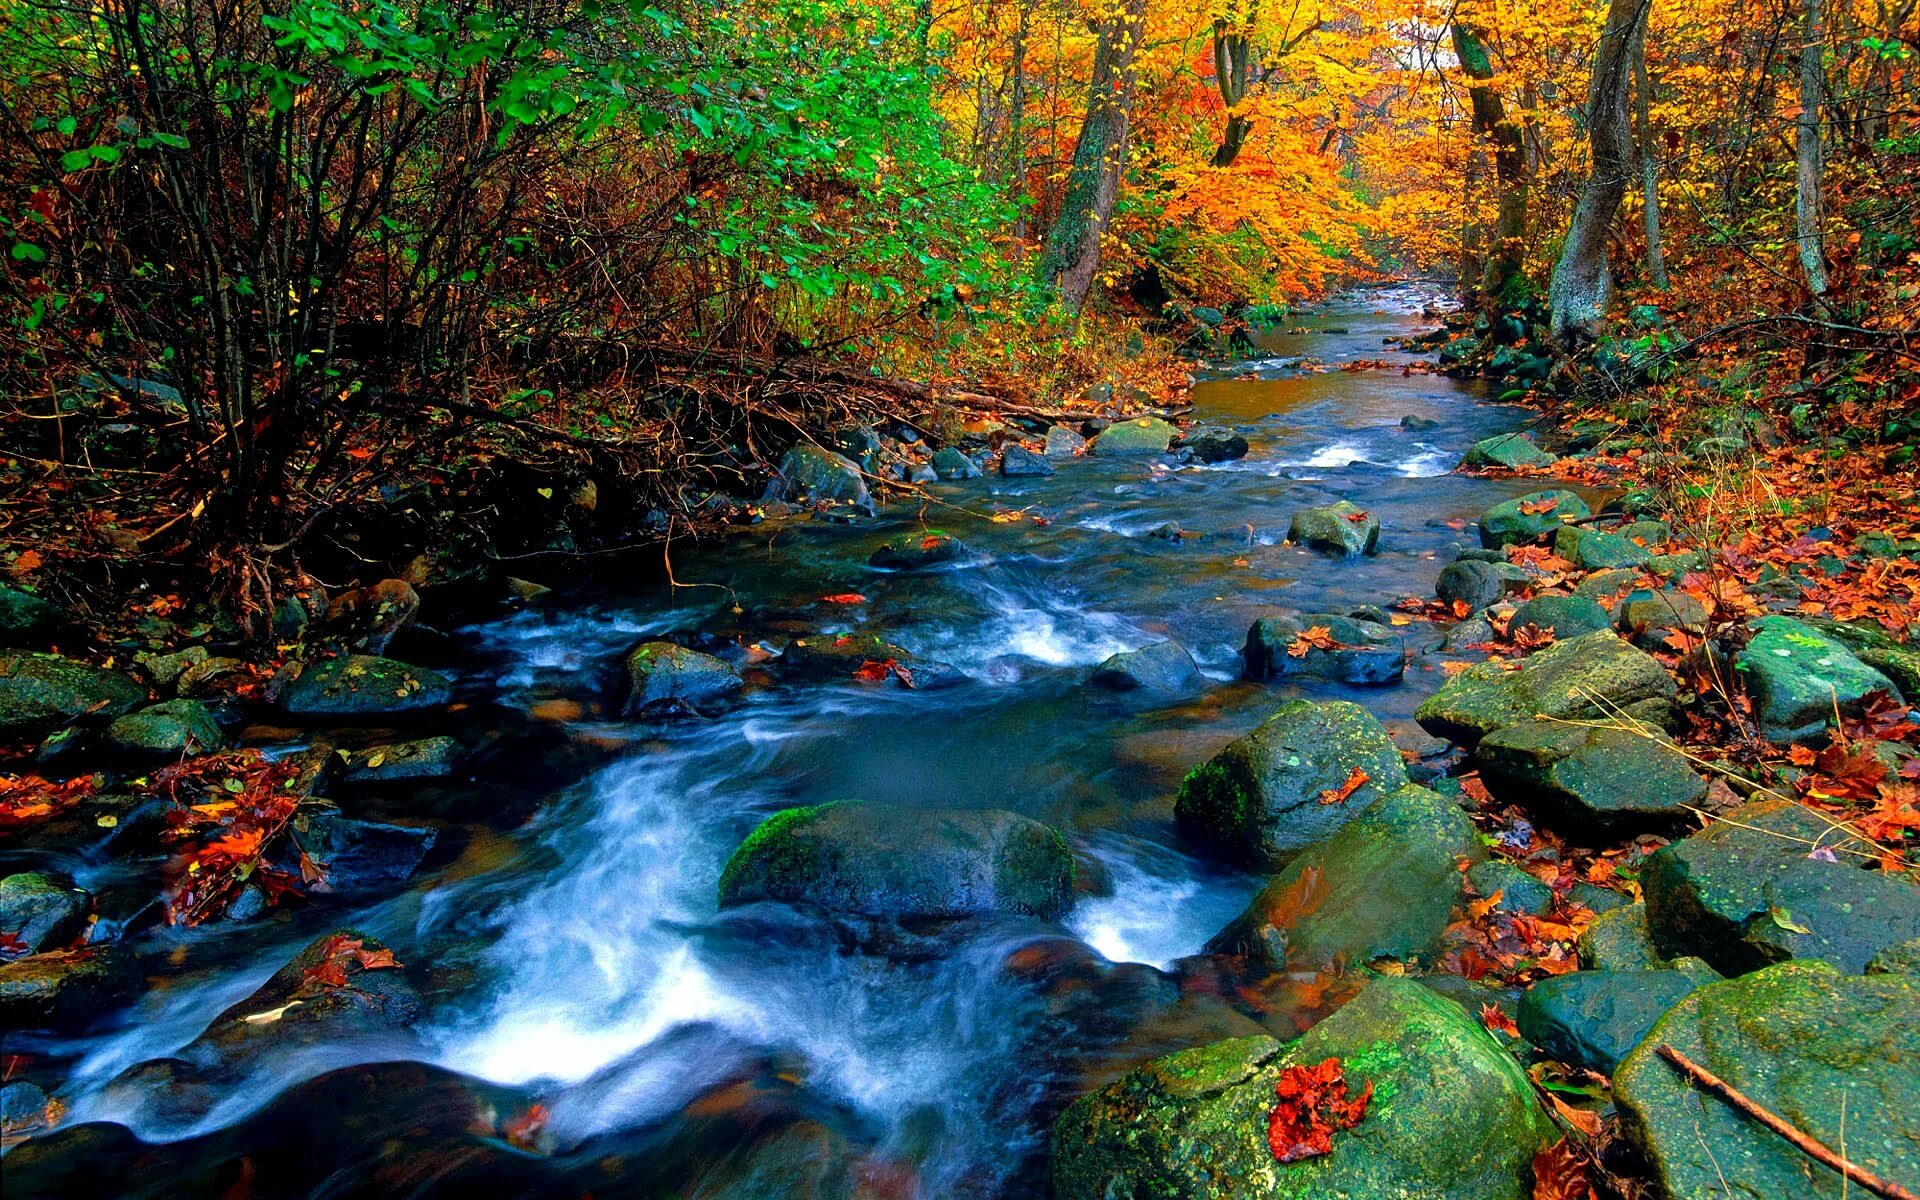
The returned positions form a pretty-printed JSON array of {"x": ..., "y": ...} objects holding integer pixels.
[{"x": 1801, "y": 1141}]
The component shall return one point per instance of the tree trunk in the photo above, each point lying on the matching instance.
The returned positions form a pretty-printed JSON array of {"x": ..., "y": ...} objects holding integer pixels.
[
  {"x": 1232, "y": 48},
  {"x": 1581, "y": 279},
  {"x": 1649, "y": 165},
  {"x": 1071, "y": 257},
  {"x": 1506, "y": 252},
  {"x": 1809, "y": 157},
  {"x": 1017, "y": 122}
]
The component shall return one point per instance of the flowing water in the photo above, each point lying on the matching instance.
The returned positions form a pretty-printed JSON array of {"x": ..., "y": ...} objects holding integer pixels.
[{"x": 577, "y": 955}]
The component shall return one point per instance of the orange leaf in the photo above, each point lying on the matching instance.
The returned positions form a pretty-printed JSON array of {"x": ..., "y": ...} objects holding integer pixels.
[{"x": 1355, "y": 780}]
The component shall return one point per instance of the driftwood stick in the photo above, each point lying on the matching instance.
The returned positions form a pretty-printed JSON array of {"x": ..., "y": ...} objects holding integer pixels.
[{"x": 1802, "y": 1141}]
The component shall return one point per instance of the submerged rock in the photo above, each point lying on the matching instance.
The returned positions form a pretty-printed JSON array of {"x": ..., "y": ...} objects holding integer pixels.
[
  {"x": 41, "y": 691},
  {"x": 1585, "y": 678},
  {"x": 1165, "y": 667},
  {"x": 1834, "y": 1055},
  {"x": 1507, "y": 450},
  {"x": 1587, "y": 776},
  {"x": 327, "y": 994},
  {"x": 1343, "y": 529},
  {"x": 1799, "y": 677},
  {"x": 1592, "y": 1019},
  {"x": 1139, "y": 436},
  {"x": 1364, "y": 652},
  {"x": 841, "y": 657},
  {"x": 1745, "y": 892},
  {"x": 165, "y": 730},
  {"x": 891, "y": 860},
  {"x": 1385, "y": 885},
  {"x": 1264, "y": 797},
  {"x": 1452, "y": 1116},
  {"x": 1530, "y": 517},
  {"x": 822, "y": 477},
  {"x": 356, "y": 685},
  {"x": 664, "y": 678},
  {"x": 917, "y": 551}
]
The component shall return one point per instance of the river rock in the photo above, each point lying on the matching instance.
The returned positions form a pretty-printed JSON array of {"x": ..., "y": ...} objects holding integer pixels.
[
  {"x": 1590, "y": 777},
  {"x": 40, "y": 912},
  {"x": 1798, "y": 677},
  {"x": 1834, "y": 1055},
  {"x": 1063, "y": 442},
  {"x": 363, "y": 857},
  {"x": 839, "y": 657},
  {"x": 1016, "y": 460},
  {"x": 917, "y": 551},
  {"x": 27, "y": 621},
  {"x": 1592, "y": 1019},
  {"x": 65, "y": 989},
  {"x": 949, "y": 464},
  {"x": 1164, "y": 667},
  {"x": 1584, "y": 678},
  {"x": 427, "y": 758},
  {"x": 820, "y": 476},
  {"x": 1518, "y": 891},
  {"x": 1414, "y": 423},
  {"x": 363, "y": 685},
  {"x": 664, "y": 678},
  {"x": 1260, "y": 800},
  {"x": 1515, "y": 522},
  {"x": 1141, "y": 435},
  {"x": 1562, "y": 616},
  {"x": 1385, "y": 885},
  {"x": 1343, "y": 529},
  {"x": 1597, "y": 549},
  {"x": 892, "y": 860},
  {"x": 327, "y": 994},
  {"x": 1900, "y": 959},
  {"x": 1743, "y": 893},
  {"x": 1651, "y": 618},
  {"x": 1477, "y": 583},
  {"x": 1365, "y": 652},
  {"x": 1871, "y": 645},
  {"x": 1618, "y": 940},
  {"x": 41, "y": 691},
  {"x": 1608, "y": 589},
  {"x": 367, "y": 618},
  {"x": 165, "y": 730},
  {"x": 1507, "y": 450},
  {"x": 1452, "y": 1116},
  {"x": 1212, "y": 444}
]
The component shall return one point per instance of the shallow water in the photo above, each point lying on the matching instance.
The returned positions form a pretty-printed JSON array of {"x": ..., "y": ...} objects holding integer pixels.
[{"x": 579, "y": 955}]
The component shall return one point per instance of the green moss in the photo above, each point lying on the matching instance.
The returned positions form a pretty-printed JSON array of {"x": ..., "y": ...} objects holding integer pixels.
[
  {"x": 1216, "y": 799},
  {"x": 768, "y": 851}
]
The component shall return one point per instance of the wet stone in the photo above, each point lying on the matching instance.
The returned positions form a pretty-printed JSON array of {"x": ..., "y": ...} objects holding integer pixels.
[
  {"x": 427, "y": 758},
  {"x": 1343, "y": 529},
  {"x": 39, "y": 912},
  {"x": 1530, "y": 517},
  {"x": 365, "y": 685},
  {"x": 1363, "y": 652},
  {"x": 1017, "y": 461},
  {"x": 1165, "y": 667}
]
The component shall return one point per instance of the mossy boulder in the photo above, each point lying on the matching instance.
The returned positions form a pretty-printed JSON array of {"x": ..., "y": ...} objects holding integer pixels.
[
  {"x": 1452, "y": 1116},
  {"x": 1589, "y": 777},
  {"x": 1142, "y": 435},
  {"x": 1262, "y": 798},
  {"x": 41, "y": 691},
  {"x": 1507, "y": 450},
  {"x": 65, "y": 989},
  {"x": 664, "y": 678},
  {"x": 1477, "y": 583},
  {"x": 917, "y": 551},
  {"x": 1585, "y": 678},
  {"x": 1618, "y": 940},
  {"x": 1898, "y": 661},
  {"x": 395, "y": 762},
  {"x": 1385, "y": 885},
  {"x": 360, "y": 685},
  {"x": 891, "y": 860},
  {"x": 1562, "y": 616},
  {"x": 1364, "y": 652},
  {"x": 1799, "y": 678},
  {"x": 1650, "y": 619},
  {"x": 1165, "y": 667},
  {"x": 165, "y": 730},
  {"x": 820, "y": 476},
  {"x": 40, "y": 912},
  {"x": 1592, "y": 1019},
  {"x": 1530, "y": 517},
  {"x": 28, "y": 621},
  {"x": 1832, "y": 1054},
  {"x": 1598, "y": 549},
  {"x": 1746, "y": 891},
  {"x": 1344, "y": 529},
  {"x": 1516, "y": 891}
]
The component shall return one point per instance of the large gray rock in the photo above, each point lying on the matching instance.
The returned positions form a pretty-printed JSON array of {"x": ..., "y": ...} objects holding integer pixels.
[
  {"x": 1140, "y": 436},
  {"x": 65, "y": 989},
  {"x": 1834, "y": 1055},
  {"x": 1530, "y": 517},
  {"x": 1592, "y": 1019},
  {"x": 949, "y": 464},
  {"x": 1593, "y": 677},
  {"x": 165, "y": 730},
  {"x": 1212, "y": 444},
  {"x": 1263, "y": 798},
  {"x": 1343, "y": 529},
  {"x": 1386, "y": 885},
  {"x": 1799, "y": 677},
  {"x": 1507, "y": 450},
  {"x": 663, "y": 678},
  {"x": 1898, "y": 661},
  {"x": 1598, "y": 549},
  {"x": 1477, "y": 583},
  {"x": 896, "y": 861},
  {"x": 40, "y": 912},
  {"x": 1451, "y": 1117},
  {"x": 1017, "y": 460},
  {"x": 1364, "y": 652},
  {"x": 820, "y": 476},
  {"x": 1589, "y": 777},
  {"x": 1165, "y": 667},
  {"x": 427, "y": 758},
  {"x": 39, "y": 692},
  {"x": 1562, "y": 616},
  {"x": 1745, "y": 892},
  {"x": 356, "y": 685}
]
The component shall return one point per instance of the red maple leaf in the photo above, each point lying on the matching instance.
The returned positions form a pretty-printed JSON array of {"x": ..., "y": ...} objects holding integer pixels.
[{"x": 1312, "y": 1104}]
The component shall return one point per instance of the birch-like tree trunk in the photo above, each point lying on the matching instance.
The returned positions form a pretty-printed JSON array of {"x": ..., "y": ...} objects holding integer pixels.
[{"x": 1809, "y": 155}]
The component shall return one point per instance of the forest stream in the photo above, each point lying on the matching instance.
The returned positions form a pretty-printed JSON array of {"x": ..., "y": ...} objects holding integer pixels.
[{"x": 574, "y": 970}]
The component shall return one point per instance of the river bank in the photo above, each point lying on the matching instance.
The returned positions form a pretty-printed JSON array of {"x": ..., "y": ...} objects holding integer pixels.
[{"x": 567, "y": 955}]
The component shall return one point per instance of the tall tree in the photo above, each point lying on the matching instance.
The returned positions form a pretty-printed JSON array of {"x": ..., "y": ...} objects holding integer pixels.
[
  {"x": 1582, "y": 281},
  {"x": 1809, "y": 155},
  {"x": 1506, "y": 255},
  {"x": 1649, "y": 164},
  {"x": 1071, "y": 257},
  {"x": 1232, "y": 55}
]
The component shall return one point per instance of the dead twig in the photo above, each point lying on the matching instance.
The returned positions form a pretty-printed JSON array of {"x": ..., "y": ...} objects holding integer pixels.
[{"x": 1801, "y": 1141}]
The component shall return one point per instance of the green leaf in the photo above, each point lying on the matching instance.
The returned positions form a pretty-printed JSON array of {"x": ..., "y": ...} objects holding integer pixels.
[
  {"x": 28, "y": 252},
  {"x": 1784, "y": 920},
  {"x": 76, "y": 160}
]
